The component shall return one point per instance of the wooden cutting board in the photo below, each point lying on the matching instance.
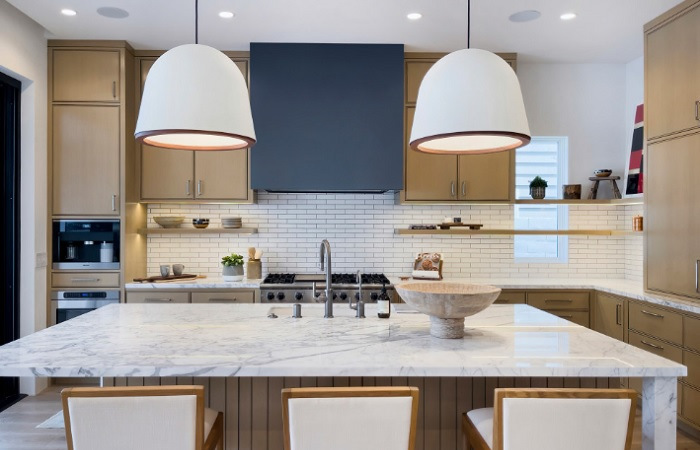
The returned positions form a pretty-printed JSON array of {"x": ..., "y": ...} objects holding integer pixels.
[{"x": 169, "y": 278}]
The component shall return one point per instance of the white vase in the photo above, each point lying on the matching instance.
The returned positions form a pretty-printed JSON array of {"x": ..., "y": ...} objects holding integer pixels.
[{"x": 232, "y": 273}]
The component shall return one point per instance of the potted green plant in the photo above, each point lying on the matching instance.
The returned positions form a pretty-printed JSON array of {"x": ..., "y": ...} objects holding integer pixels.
[
  {"x": 537, "y": 188},
  {"x": 232, "y": 267}
]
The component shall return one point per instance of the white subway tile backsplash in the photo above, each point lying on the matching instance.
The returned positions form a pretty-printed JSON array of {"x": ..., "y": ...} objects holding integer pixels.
[{"x": 360, "y": 228}]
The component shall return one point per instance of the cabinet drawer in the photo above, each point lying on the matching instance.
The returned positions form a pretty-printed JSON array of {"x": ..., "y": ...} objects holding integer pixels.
[
  {"x": 578, "y": 317},
  {"x": 691, "y": 404},
  {"x": 656, "y": 347},
  {"x": 157, "y": 297},
  {"x": 660, "y": 323},
  {"x": 82, "y": 279},
  {"x": 693, "y": 362},
  {"x": 691, "y": 333},
  {"x": 510, "y": 298},
  {"x": 224, "y": 297},
  {"x": 558, "y": 300}
]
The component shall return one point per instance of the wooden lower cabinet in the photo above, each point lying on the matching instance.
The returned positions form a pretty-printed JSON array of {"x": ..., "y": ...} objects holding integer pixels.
[
  {"x": 658, "y": 322},
  {"x": 690, "y": 410},
  {"x": 609, "y": 315},
  {"x": 85, "y": 279},
  {"x": 571, "y": 305},
  {"x": 511, "y": 298},
  {"x": 157, "y": 297},
  {"x": 242, "y": 296}
]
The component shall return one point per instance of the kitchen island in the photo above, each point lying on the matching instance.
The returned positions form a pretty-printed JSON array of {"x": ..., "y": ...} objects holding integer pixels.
[{"x": 245, "y": 358}]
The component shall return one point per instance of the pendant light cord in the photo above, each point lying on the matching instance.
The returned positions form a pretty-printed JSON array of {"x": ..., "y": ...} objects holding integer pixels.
[
  {"x": 469, "y": 23},
  {"x": 196, "y": 21}
]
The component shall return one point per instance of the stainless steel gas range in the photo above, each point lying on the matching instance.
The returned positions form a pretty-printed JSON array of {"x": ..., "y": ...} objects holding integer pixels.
[{"x": 298, "y": 288}]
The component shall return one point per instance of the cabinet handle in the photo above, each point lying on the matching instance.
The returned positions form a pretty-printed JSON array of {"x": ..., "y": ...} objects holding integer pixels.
[
  {"x": 187, "y": 188},
  {"x": 697, "y": 263},
  {"x": 555, "y": 300},
  {"x": 565, "y": 316},
  {"x": 617, "y": 314},
  {"x": 114, "y": 202},
  {"x": 652, "y": 314},
  {"x": 158, "y": 300},
  {"x": 199, "y": 188},
  {"x": 85, "y": 280},
  {"x": 223, "y": 300},
  {"x": 464, "y": 188},
  {"x": 697, "y": 110},
  {"x": 114, "y": 89},
  {"x": 452, "y": 189},
  {"x": 652, "y": 345}
]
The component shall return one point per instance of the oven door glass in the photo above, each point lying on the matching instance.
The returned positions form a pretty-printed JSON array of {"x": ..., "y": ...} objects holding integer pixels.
[{"x": 64, "y": 314}]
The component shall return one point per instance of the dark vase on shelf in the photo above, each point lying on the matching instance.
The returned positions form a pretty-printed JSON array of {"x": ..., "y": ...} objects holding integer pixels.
[{"x": 537, "y": 193}]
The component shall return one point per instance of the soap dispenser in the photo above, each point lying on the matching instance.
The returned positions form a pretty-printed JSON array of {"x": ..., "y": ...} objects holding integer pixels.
[{"x": 383, "y": 304}]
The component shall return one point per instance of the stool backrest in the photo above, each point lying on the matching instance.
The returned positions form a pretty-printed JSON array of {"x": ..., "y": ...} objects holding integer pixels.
[
  {"x": 118, "y": 418},
  {"x": 573, "y": 419},
  {"x": 350, "y": 418}
]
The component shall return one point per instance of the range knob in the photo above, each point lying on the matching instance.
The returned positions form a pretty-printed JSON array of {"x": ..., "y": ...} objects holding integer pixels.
[
  {"x": 280, "y": 296},
  {"x": 298, "y": 296},
  {"x": 270, "y": 295},
  {"x": 374, "y": 296},
  {"x": 343, "y": 296},
  {"x": 335, "y": 296},
  {"x": 357, "y": 295}
]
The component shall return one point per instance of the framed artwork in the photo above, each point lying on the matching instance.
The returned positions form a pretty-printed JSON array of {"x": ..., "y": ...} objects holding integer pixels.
[{"x": 635, "y": 169}]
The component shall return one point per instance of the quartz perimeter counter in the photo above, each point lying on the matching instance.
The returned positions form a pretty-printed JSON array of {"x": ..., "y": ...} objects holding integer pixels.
[{"x": 238, "y": 341}]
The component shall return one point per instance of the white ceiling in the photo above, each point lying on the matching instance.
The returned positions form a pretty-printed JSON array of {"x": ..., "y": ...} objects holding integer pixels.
[{"x": 604, "y": 31}]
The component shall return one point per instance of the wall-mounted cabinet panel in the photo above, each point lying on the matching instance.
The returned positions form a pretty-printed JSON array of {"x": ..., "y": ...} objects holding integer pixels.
[
  {"x": 486, "y": 177},
  {"x": 85, "y": 75},
  {"x": 166, "y": 174},
  {"x": 86, "y": 156},
  {"x": 221, "y": 175}
]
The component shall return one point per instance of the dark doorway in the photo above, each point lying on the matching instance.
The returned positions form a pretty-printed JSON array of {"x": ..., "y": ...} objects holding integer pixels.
[{"x": 9, "y": 225}]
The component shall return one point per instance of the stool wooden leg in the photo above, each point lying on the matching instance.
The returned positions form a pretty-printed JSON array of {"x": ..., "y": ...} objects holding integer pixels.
[
  {"x": 616, "y": 190},
  {"x": 594, "y": 190}
]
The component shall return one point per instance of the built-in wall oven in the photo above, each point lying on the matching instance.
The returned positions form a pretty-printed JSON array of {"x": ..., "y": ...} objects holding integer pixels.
[
  {"x": 68, "y": 304},
  {"x": 85, "y": 244}
]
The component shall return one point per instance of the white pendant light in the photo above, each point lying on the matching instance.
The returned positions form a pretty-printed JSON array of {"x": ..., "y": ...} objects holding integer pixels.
[
  {"x": 469, "y": 102},
  {"x": 195, "y": 98}
]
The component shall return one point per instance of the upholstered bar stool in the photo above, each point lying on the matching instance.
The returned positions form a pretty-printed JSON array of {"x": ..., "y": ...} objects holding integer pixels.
[
  {"x": 553, "y": 419},
  {"x": 352, "y": 418},
  {"x": 148, "y": 417}
]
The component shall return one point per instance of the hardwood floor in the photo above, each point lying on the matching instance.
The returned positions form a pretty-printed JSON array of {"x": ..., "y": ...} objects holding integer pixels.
[{"x": 18, "y": 426}]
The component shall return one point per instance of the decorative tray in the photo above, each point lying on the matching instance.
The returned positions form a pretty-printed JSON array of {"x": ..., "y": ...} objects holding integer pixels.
[{"x": 472, "y": 226}]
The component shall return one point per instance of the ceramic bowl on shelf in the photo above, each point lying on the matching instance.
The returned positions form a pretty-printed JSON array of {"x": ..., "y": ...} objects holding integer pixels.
[
  {"x": 200, "y": 223},
  {"x": 448, "y": 303},
  {"x": 169, "y": 221},
  {"x": 603, "y": 172},
  {"x": 231, "y": 222}
]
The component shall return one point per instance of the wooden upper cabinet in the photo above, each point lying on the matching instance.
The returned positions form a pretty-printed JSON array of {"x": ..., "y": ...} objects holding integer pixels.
[
  {"x": 85, "y": 75},
  {"x": 166, "y": 174},
  {"x": 221, "y": 175},
  {"x": 486, "y": 177},
  {"x": 415, "y": 71},
  {"x": 428, "y": 177},
  {"x": 86, "y": 142},
  {"x": 672, "y": 218},
  {"x": 672, "y": 65}
]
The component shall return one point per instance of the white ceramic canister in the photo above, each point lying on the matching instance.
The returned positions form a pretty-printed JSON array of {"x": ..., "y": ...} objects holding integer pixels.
[{"x": 106, "y": 252}]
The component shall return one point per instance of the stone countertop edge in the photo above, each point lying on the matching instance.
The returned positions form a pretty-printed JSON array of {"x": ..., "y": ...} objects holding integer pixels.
[{"x": 625, "y": 288}]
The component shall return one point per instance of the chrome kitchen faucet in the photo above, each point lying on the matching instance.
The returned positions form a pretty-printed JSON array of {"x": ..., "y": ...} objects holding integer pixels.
[{"x": 326, "y": 248}]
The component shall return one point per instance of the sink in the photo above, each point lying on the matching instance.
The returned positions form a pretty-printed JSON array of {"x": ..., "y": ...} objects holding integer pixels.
[
  {"x": 313, "y": 310},
  {"x": 448, "y": 304}
]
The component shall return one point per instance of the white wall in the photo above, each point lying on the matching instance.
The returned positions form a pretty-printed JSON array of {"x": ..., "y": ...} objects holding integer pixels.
[
  {"x": 585, "y": 102},
  {"x": 634, "y": 95},
  {"x": 23, "y": 57}
]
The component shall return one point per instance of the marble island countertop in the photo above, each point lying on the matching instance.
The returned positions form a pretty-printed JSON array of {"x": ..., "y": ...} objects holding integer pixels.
[{"x": 211, "y": 340}]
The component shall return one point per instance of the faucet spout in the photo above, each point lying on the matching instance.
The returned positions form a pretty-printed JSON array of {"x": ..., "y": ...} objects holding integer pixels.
[{"x": 325, "y": 256}]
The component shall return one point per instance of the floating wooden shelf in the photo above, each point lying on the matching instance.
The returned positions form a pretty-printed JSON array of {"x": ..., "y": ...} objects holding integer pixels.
[
  {"x": 558, "y": 201},
  {"x": 520, "y": 232},
  {"x": 198, "y": 231}
]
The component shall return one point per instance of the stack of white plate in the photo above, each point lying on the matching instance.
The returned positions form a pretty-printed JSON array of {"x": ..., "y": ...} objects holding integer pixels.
[{"x": 231, "y": 222}]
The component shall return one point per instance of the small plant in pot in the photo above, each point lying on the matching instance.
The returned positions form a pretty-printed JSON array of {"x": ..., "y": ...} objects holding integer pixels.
[
  {"x": 232, "y": 267},
  {"x": 538, "y": 187}
]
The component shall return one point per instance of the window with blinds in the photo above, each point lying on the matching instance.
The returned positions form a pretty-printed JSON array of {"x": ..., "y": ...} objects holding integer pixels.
[{"x": 546, "y": 157}]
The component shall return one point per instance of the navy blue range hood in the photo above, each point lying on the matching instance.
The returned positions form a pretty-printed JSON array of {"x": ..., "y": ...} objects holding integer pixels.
[{"x": 328, "y": 117}]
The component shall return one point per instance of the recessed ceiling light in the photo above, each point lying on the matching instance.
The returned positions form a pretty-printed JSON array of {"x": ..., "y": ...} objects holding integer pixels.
[
  {"x": 414, "y": 16},
  {"x": 525, "y": 16},
  {"x": 568, "y": 16},
  {"x": 112, "y": 12},
  {"x": 226, "y": 14},
  {"x": 68, "y": 12}
]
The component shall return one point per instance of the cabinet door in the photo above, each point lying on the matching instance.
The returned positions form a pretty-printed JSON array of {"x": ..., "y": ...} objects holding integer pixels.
[
  {"x": 166, "y": 174},
  {"x": 429, "y": 177},
  {"x": 672, "y": 216},
  {"x": 221, "y": 175},
  {"x": 672, "y": 67},
  {"x": 608, "y": 316},
  {"x": 485, "y": 177},
  {"x": 85, "y": 75},
  {"x": 85, "y": 160},
  {"x": 157, "y": 296},
  {"x": 238, "y": 296},
  {"x": 415, "y": 71}
]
